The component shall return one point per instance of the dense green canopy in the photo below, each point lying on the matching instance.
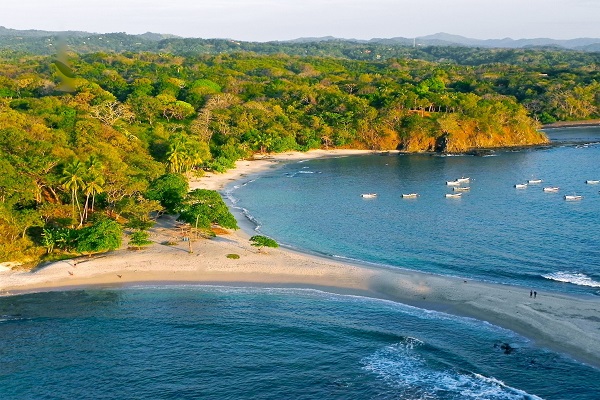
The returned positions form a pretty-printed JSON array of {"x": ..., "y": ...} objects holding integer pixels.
[{"x": 120, "y": 134}]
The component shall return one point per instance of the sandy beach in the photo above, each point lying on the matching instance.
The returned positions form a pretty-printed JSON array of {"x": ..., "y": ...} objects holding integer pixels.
[{"x": 567, "y": 324}]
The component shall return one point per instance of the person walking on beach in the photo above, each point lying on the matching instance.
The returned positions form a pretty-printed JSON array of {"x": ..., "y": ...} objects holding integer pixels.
[
  {"x": 530, "y": 293},
  {"x": 534, "y": 295}
]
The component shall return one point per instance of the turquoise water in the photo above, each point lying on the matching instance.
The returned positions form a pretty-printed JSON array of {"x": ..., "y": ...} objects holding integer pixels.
[
  {"x": 248, "y": 343},
  {"x": 494, "y": 232}
]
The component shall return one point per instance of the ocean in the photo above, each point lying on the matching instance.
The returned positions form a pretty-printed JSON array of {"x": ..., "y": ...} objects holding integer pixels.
[
  {"x": 215, "y": 342},
  {"x": 211, "y": 342}
]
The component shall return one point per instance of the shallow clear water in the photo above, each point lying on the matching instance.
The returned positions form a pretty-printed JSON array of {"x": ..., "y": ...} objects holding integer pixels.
[
  {"x": 233, "y": 343},
  {"x": 494, "y": 232}
]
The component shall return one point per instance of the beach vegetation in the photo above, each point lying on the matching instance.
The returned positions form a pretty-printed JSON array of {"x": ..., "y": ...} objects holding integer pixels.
[
  {"x": 141, "y": 224},
  {"x": 204, "y": 208},
  {"x": 104, "y": 235},
  {"x": 139, "y": 239},
  {"x": 233, "y": 256},
  {"x": 263, "y": 241}
]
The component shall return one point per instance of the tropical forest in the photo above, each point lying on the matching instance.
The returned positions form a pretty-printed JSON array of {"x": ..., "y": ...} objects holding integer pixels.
[{"x": 95, "y": 140}]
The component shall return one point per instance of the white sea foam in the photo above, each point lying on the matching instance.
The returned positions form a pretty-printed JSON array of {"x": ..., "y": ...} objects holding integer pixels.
[
  {"x": 575, "y": 278},
  {"x": 229, "y": 196},
  {"x": 586, "y": 145},
  {"x": 402, "y": 367},
  {"x": 229, "y": 192},
  {"x": 251, "y": 218}
]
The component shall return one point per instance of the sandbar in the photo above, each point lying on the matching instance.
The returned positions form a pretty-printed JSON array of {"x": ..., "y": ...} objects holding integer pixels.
[{"x": 564, "y": 323}]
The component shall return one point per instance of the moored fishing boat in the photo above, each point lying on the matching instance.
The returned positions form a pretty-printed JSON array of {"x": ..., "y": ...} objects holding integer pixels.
[
  {"x": 534, "y": 181},
  {"x": 551, "y": 189},
  {"x": 592, "y": 182},
  {"x": 521, "y": 186},
  {"x": 410, "y": 195},
  {"x": 461, "y": 188},
  {"x": 453, "y": 195},
  {"x": 452, "y": 183},
  {"x": 368, "y": 195},
  {"x": 464, "y": 179},
  {"x": 573, "y": 197}
]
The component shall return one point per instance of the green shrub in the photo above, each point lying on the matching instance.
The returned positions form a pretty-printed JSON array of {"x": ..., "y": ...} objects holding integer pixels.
[
  {"x": 104, "y": 235},
  {"x": 262, "y": 241},
  {"x": 139, "y": 239}
]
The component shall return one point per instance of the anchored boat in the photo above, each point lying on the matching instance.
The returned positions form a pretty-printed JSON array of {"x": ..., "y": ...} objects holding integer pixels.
[
  {"x": 573, "y": 197},
  {"x": 462, "y": 189}
]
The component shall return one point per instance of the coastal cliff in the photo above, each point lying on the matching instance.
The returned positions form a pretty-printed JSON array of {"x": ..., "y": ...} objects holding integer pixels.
[{"x": 451, "y": 135}]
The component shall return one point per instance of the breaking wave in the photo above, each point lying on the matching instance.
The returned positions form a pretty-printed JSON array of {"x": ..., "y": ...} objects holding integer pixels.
[{"x": 575, "y": 278}]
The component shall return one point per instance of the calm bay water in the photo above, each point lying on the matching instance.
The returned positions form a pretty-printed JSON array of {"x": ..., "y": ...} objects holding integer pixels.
[
  {"x": 192, "y": 342},
  {"x": 494, "y": 232},
  {"x": 237, "y": 343}
]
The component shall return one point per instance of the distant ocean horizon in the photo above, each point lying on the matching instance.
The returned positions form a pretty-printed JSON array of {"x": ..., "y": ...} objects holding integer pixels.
[{"x": 493, "y": 233}]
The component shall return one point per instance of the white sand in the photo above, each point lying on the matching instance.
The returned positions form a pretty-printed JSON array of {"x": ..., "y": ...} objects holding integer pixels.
[{"x": 563, "y": 323}]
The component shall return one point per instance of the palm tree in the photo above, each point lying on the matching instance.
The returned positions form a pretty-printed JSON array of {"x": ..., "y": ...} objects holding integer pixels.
[
  {"x": 94, "y": 182},
  {"x": 92, "y": 187},
  {"x": 262, "y": 140},
  {"x": 72, "y": 179},
  {"x": 176, "y": 156}
]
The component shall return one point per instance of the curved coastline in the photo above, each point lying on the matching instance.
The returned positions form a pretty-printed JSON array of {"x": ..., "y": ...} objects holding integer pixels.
[{"x": 567, "y": 324}]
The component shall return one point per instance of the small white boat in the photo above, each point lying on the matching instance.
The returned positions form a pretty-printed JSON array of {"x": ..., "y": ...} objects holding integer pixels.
[
  {"x": 453, "y": 195},
  {"x": 368, "y": 195},
  {"x": 534, "y": 181},
  {"x": 461, "y": 188},
  {"x": 551, "y": 189},
  {"x": 573, "y": 197},
  {"x": 592, "y": 182},
  {"x": 521, "y": 186},
  {"x": 452, "y": 183},
  {"x": 464, "y": 180},
  {"x": 410, "y": 196}
]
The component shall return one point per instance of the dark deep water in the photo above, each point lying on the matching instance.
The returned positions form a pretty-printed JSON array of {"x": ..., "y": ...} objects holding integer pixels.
[{"x": 194, "y": 342}]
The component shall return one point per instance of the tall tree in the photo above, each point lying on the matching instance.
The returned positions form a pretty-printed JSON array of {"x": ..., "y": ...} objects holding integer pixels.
[{"x": 72, "y": 179}]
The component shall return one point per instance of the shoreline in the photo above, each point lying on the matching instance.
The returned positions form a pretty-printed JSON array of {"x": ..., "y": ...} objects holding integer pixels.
[
  {"x": 572, "y": 124},
  {"x": 564, "y": 323}
]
